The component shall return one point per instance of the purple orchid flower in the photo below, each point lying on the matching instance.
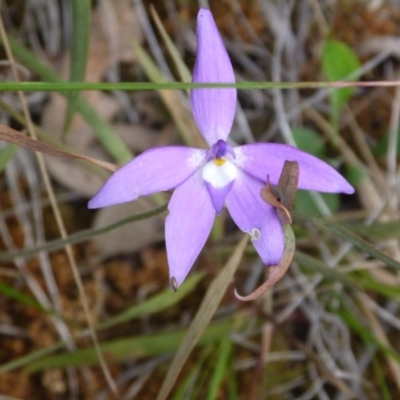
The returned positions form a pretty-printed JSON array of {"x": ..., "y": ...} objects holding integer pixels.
[{"x": 205, "y": 180}]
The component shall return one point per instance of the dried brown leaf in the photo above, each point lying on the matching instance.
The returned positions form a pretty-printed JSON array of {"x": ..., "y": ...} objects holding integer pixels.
[
  {"x": 275, "y": 272},
  {"x": 287, "y": 189},
  {"x": 269, "y": 197},
  {"x": 288, "y": 184}
]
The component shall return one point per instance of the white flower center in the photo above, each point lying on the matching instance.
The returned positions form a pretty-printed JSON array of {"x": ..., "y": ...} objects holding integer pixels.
[{"x": 219, "y": 172}]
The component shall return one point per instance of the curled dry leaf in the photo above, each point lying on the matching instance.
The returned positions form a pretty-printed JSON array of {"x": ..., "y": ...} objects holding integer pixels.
[
  {"x": 269, "y": 197},
  {"x": 288, "y": 184},
  {"x": 287, "y": 188},
  {"x": 18, "y": 138},
  {"x": 275, "y": 272}
]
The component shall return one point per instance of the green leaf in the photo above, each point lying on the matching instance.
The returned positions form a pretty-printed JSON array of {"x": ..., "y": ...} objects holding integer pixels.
[
  {"x": 381, "y": 147},
  {"x": 79, "y": 52},
  {"x": 305, "y": 204},
  {"x": 339, "y": 62},
  {"x": 355, "y": 174},
  {"x": 309, "y": 141}
]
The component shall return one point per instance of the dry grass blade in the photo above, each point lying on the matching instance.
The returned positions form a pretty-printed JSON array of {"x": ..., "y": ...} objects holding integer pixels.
[
  {"x": 18, "y": 138},
  {"x": 183, "y": 70},
  {"x": 206, "y": 311},
  {"x": 181, "y": 115},
  {"x": 380, "y": 334},
  {"x": 322, "y": 367}
]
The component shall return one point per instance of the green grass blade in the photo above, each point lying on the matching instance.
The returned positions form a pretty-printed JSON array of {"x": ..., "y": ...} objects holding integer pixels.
[
  {"x": 46, "y": 137},
  {"x": 123, "y": 349},
  {"x": 62, "y": 86},
  {"x": 183, "y": 70},
  {"x": 330, "y": 274},
  {"x": 371, "y": 284},
  {"x": 29, "y": 358},
  {"x": 79, "y": 52},
  {"x": 79, "y": 236},
  {"x": 356, "y": 240},
  {"x": 379, "y": 231},
  {"x": 181, "y": 116},
  {"x": 220, "y": 370},
  {"x": 186, "y": 389},
  {"x": 233, "y": 391},
  {"x": 155, "y": 304},
  {"x": 103, "y": 131},
  {"x": 198, "y": 377},
  {"x": 381, "y": 380},
  {"x": 151, "y": 306},
  {"x": 19, "y": 296},
  {"x": 364, "y": 332},
  {"x": 6, "y": 154}
]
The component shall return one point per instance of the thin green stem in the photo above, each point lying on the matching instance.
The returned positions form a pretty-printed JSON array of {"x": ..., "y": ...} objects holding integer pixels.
[
  {"x": 79, "y": 237},
  {"x": 74, "y": 86}
]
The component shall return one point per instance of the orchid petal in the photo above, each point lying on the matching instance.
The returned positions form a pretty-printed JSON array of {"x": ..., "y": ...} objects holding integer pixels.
[
  {"x": 155, "y": 170},
  {"x": 218, "y": 195},
  {"x": 213, "y": 108},
  {"x": 188, "y": 224},
  {"x": 267, "y": 159},
  {"x": 219, "y": 175},
  {"x": 251, "y": 214}
]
